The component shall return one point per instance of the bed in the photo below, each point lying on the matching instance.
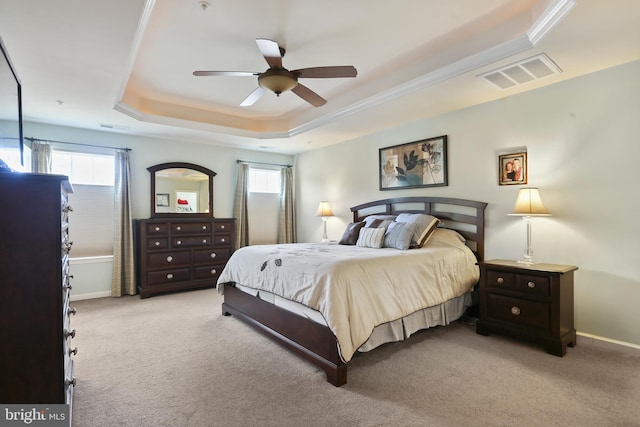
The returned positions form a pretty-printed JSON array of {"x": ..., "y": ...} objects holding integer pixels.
[{"x": 326, "y": 302}]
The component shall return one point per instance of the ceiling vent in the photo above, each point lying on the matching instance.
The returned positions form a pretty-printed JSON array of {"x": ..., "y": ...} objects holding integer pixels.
[{"x": 525, "y": 71}]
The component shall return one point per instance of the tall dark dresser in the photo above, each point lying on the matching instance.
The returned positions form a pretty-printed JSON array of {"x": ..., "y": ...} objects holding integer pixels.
[{"x": 36, "y": 364}]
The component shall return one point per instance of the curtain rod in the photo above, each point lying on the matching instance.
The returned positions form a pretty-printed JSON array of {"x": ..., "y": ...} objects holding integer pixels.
[
  {"x": 74, "y": 143},
  {"x": 262, "y": 163}
]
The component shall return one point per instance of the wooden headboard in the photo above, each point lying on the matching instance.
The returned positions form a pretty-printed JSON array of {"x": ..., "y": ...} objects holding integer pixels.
[{"x": 464, "y": 216}]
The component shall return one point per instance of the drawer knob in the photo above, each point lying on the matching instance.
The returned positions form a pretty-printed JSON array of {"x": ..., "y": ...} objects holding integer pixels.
[
  {"x": 213, "y": 255},
  {"x": 157, "y": 229},
  {"x": 213, "y": 271},
  {"x": 500, "y": 280},
  {"x": 74, "y": 351},
  {"x": 67, "y": 287},
  {"x": 178, "y": 228},
  {"x": 71, "y": 334},
  {"x": 169, "y": 276},
  {"x": 222, "y": 227},
  {"x": 204, "y": 227},
  {"x": 515, "y": 311},
  {"x": 179, "y": 242},
  {"x": 531, "y": 285},
  {"x": 204, "y": 241},
  {"x": 72, "y": 310},
  {"x": 223, "y": 240},
  {"x": 169, "y": 258},
  {"x": 157, "y": 243},
  {"x": 71, "y": 382}
]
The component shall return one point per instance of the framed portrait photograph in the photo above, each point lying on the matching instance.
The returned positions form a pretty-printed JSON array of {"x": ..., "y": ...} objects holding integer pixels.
[
  {"x": 415, "y": 164},
  {"x": 512, "y": 169},
  {"x": 162, "y": 199}
]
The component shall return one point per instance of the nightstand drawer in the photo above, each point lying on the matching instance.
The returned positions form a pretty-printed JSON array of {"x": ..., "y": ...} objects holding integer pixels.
[
  {"x": 525, "y": 285},
  {"x": 516, "y": 311}
]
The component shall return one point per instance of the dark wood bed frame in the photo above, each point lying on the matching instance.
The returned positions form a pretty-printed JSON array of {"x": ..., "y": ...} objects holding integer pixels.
[{"x": 316, "y": 343}]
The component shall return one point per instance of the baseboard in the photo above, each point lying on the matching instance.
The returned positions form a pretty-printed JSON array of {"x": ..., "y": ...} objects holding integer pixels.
[
  {"x": 602, "y": 342},
  {"x": 90, "y": 296}
]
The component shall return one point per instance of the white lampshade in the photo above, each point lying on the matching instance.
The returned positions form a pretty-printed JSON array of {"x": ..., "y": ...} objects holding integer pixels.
[
  {"x": 529, "y": 203},
  {"x": 324, "y": 209}
]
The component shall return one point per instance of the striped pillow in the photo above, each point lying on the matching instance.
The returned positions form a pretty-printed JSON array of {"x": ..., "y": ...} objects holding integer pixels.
[{"x": 371, "y": 237}]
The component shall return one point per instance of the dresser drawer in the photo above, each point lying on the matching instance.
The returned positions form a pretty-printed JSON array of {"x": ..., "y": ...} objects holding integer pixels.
[
  {"x": 223, "y": 226},
  {"x": 517, "y": 311},
  {"x": 210, "y": 256},
  {"x": 168, "y": 259},
  {"x": 222, "y": 239},
  {"x": 211, "y": 272},
  {"x": 525, "y": 285},
  {"x": 168, "y": 276},
  {"x": 157, "y": 243},
  {"x": 191, "y": 228},
  {"x": 155, "y": 228},
  {"x": 188, "y": 242}
]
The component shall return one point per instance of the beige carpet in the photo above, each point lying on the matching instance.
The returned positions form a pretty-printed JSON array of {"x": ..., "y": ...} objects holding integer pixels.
[{"x": 174, "y": 360}]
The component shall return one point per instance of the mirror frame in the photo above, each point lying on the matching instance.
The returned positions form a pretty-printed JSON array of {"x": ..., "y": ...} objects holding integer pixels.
[{"x": 155, "y": 168}]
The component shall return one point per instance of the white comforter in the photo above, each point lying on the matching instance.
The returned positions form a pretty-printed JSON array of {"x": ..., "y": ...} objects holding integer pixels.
[{"x": 355, "y": 289}]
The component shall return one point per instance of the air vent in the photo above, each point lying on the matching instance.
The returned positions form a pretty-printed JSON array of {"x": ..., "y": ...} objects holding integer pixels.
[{"x": 525, "y": 71}]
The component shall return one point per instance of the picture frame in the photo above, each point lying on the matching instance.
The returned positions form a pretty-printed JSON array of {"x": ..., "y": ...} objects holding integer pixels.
[
  {"x": 162, "y": 199},
  {"x": 513, "y": 168},
  {"x": 415, "y": 164},
  {"x": 186, "y": 202}
]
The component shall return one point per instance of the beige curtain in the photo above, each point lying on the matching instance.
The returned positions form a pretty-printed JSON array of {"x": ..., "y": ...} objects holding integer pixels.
[
  {"x": 123, "y": 256},
  {"x": 287, "y": 225},
  {"x": 240, "y": 211},
  {"x": 40, "y": 157}
]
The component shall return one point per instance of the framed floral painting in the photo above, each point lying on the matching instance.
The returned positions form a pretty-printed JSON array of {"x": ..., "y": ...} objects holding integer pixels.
[
  {"x": 415, "y": 164},
  {"x": 512, "y": 169}
]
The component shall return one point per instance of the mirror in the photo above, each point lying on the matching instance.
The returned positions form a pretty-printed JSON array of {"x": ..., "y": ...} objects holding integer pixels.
[{"x": 181, "y": 189}]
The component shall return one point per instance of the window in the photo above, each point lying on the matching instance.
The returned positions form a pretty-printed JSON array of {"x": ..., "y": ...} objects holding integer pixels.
[
  {"x": 11, "y": 156},
  {"x": 264, "y": 180},
  {"x": 82, "y": 168}
]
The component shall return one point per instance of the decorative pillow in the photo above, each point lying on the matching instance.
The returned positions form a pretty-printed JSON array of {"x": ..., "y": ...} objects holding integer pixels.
[
  {"x": 425, "y": 225},
  {"x": 350, "y": 236},
  {"x": 378, "y": 221},
  {"x": 398, "y": 236},
  {"x": 371, "y": 237}
]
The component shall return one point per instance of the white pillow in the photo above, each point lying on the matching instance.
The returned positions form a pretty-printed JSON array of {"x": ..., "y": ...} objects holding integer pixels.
[
  {"x": 371, "y": 237},
  {"x": 425, "y": 225}
]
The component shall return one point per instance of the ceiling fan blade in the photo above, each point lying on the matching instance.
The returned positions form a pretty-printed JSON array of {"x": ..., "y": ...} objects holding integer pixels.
[
  {"x": 271, "y": 52},
  {"x": 327, "y": 72},
  {"x": 253, "y": 97},
  {"x": 225, "y": 73},
  {"x": 308, "y": 95}
]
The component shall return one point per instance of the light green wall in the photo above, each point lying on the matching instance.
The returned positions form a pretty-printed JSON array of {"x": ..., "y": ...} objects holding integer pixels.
[{"x": 583, "y": 143}]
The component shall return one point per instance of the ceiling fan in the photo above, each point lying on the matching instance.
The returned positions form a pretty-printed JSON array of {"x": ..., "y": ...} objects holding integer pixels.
[{"x": 278, "y": 79}]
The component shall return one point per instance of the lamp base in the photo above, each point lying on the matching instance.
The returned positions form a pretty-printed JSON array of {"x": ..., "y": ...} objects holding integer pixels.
[{"x": 527, "y": 261}]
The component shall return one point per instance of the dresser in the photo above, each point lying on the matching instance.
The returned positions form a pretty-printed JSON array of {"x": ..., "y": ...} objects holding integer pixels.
[
  {"x": 36, "y": 361},
  {"x": 178, "y": 254},
  {"x": 532, "y": 302}
]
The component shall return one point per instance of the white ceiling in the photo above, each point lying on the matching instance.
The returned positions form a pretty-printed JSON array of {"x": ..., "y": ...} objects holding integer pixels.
[{"x": 128, "y": 63}]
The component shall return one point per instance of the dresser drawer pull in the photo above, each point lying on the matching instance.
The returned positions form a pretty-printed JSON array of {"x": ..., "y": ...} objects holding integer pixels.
[
  {"x": 500, "y": 280},
  {"x": 204, "y": 241},
  {"x": 178, "y": 242},
  {"x": 223, "y": 240},
  {"x": 71, "y": 382},
  {"x": 169, "y": 258},
  {"x": 531, "y": 285},
  {"x": 515, "y": 311},
  {"x": 74, "y": 351},
  {"x": 67, "y": 208},
  {"x": 204, "y": 227},
  {"x": 72, "y": 310},
  {"x": 157, "y": 228},
  {"x": 67, "y": 287},
  {"x": 178, "y": 228},
  {"x": 169, "y": 276},
  {"x": 157, "y": 243},
  {"x": 213, "y": 255},
  {"x": 71, "y": 334},
  {"x": 213, "y": 271},
  {"x": 222, "y": 227}
]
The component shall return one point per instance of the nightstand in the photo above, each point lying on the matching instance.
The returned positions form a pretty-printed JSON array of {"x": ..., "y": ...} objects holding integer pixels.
[{"x": 533, "y": 302}]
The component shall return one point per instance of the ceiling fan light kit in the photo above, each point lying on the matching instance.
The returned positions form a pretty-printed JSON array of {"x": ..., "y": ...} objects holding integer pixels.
[{"x": 278, "y": 79}]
